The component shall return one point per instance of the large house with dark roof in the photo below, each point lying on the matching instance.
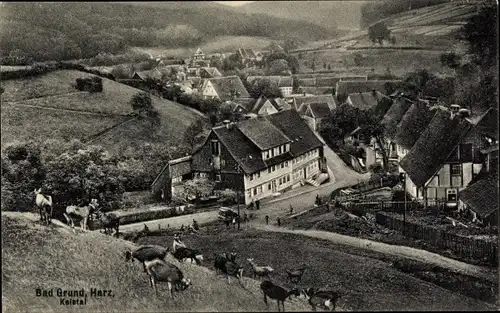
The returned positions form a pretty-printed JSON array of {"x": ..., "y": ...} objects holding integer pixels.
[
  {"x": 224, "y": 88},
  {"x": 260, "y": 156},
  {"x": 365, "y": 100},
  {"x": 444, "y": 159}
]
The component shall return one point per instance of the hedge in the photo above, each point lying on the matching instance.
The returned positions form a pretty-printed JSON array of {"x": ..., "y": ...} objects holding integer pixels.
[{"x": 39, "y": 69}]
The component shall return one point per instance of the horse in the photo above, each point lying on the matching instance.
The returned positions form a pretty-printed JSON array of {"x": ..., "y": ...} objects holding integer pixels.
[{"x": 43, "y": 203}]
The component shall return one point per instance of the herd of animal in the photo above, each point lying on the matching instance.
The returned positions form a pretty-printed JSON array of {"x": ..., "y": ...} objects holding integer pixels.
[
  {"x": 153, "y": 259},
  {"x": 109, "y": 221}
]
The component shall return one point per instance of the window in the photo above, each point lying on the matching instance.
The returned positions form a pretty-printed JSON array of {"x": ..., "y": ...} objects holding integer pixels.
[
  {"x": 451, "y": 194},
  {"x": 266, "y": 154},
  {"x": 282, "y": 165},
  {"x": 260, "y": 189},
  {"x": 255, "y": 191},
  {"x": 456, "y": 169},
  {"x": 251, "y": 177},
  {"x": 215, "y": 147},
  {"x": 269, "y": 170},
  {"x": 258, "y": 174},
  {"x": 218, "y": 178},
  {"x": 272, "y": 153},
  {"x": 287, "y": 178},
  {"x": 274, "y": 168},
  {"x": 269, "y": 186},
  {"x": 280, "y": 181},
  {"x": 280, "y": 149},
  {"x": 286, "y": 163},
  {"x": 223, "y": 163}
]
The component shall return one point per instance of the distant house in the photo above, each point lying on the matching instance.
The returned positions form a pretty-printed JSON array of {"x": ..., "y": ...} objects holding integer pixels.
[
  {"x": 261, "y": 106},
  {"x": 284, "y": 83},
  {"x": 444, "y": 159},
  {"x": 315, "y": 112},
  {"x": 224, "y": 88},
  {"x": 199, "y": 55},
  {"x": 171, "y": 176},
  {"x": 144, "y": 75},
  {"x": 260, "y": 156},
  {"x": 209, "y": 72},
  {"x": 365, "y": 100},
  {"x": 481, "y": 197},
  {"x": 299, "y": 102},
  {"x": 248, "y": 56},
  {"x": 391, "y": 120},
  {"x": 318, "y": 85},
  {"x": 357, "y": 86}
]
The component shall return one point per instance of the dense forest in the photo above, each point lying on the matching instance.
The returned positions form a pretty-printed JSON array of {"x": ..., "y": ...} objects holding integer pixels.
[
  {"x": 373, "y": 11},
  {"x": 62, "y": 31}
]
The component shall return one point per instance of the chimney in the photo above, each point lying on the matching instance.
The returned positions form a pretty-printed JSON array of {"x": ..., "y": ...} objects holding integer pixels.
[
  {"x": 454, "y": 108},
  {"x": 463, "y": 112},
  {"x": 226, "y": 122}
]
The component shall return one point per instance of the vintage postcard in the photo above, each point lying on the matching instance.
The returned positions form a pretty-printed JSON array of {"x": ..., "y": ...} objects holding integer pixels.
[{"x": 228, "y": 156}]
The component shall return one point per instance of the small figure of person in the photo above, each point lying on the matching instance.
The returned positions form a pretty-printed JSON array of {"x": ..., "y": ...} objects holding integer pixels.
[
  {"x": 226, "y": 221},
  {"x": 291, "y": 209},
  {"x": 234, "y": 222},
  {"x": 279, "y": 222},
  {"x": 267, "y": 219},
  {"x": 195, "y": 225},
  {"x": 182, "y": 227},
  {"x": 258, "y": 204},
  {"x": 245, "y": 217}
]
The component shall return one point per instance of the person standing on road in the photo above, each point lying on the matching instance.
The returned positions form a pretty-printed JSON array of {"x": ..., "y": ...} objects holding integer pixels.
[
  {"x": 267, "y": 219},
  {"x": 258, "y": 204},
  {"x": 291, "y": 209},
  {"x": 279, "y": 222}
]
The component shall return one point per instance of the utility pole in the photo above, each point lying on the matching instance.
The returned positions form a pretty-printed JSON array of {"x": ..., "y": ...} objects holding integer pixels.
[
  {"x": 402, "y": 179},
  {"x": 238, "y": 200}
]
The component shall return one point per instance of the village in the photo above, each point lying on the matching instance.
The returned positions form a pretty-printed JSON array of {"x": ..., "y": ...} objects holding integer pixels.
[{"x": 292, "y": 167}]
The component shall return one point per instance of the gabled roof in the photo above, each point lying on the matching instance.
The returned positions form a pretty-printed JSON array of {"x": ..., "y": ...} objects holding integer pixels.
[
  {"x": 394, "y": 115},
  {"x": 199, "y": 52},
  {"x": 434, "y": 146},
  {"x": 262, "y": 133},
  {"x": 225, "y": 86},
  {"x": 302, "y": 100},
  {"x": 247, "y": 53},
  {"x": 357, "y": 86},
  {"x": 154, "y": 73},
  {"x": 366, "y": 100},
  {"x": 245, "y": 104},
  {"x": 294, "y": 127},
  {"x": 413, "y": 123},
  {"x": 487, "y": 124},
  {"x": 319, "y": 110},
  {"x": 482, "y": 195},
  {"x": 248, "y": 156},
  {"x": 212, "y": 71}
]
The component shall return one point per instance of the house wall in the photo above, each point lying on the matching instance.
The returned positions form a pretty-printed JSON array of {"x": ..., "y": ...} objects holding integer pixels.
[
  {"x": 311, "y": 122},
  {"x": 267, "y": 108},
  {"x": 265, "y": 182},
  {"x": 209, "y": 91},
  {"x": 286, "y": 91}
]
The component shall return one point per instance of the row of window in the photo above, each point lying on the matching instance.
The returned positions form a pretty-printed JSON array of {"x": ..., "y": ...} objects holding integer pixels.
[
  {"x": 275, "y": 151},
  {"x": 276, "y": 167},
  {"x": 271, "y": 186},
  {"x": 305, "y": 156}
]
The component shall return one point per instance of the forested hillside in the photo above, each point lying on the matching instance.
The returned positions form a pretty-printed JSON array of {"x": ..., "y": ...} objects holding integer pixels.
[{"x": 61, "y": 31}]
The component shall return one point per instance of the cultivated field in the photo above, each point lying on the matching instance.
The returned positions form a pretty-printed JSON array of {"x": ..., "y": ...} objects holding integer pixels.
[
  {"x": 365, "y": 282},
  {"x": 94, "y": 260},
  {"x": 220, "y": 44},
  {"x": 47, "y": 106}
]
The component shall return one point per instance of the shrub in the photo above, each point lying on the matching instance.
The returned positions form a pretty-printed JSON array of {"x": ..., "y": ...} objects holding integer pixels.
[{"x": 90, "y": 84}]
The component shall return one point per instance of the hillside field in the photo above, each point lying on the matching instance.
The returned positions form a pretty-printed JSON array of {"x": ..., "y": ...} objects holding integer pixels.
[
  {"x": 226, "y": 44},
  {"x": 48, "y": 106},
  {"x": 365, "y": 281},
  {"x": 35, "y": 256}
]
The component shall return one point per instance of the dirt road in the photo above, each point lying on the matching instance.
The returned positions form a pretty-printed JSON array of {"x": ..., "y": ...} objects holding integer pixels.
[{"x": 402, "y": 251}]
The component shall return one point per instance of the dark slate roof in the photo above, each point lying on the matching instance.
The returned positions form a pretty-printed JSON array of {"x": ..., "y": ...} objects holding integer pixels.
[
  {"x": 366, "y": 100},
  {"x": 301, "y": 100},
  {"x": 412, "y": 124},
  {"x": 482, "y": 196},
  {"x": 262, "y": 133},
  {"x": 320, "y": 109},
  {"x": 395, "y": 114},
  {"x": 434, "y": 146},
  {"x": 248, "y": 156},
  {"x": 488, "y": 123},
  {"x": 350, "y": 87},
  {"x": 246, "y": 104},
  {"x": 292, "y": 125},
  {"x": 225, "y": 85}
]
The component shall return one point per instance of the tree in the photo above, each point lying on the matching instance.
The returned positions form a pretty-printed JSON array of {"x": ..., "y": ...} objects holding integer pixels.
[
  {"x": 22, "y": 172},
  {"x": 393, "y": 40},
  {"x": 143, "y": 105},
  {"x": 383, "y": 105},
  {"x": 264, "y": 87},
  {"x": 451, "y": 60},
  {"x": 379, "y": 32},
  {"x": 193, "y": 131},
  {"x": 228, "y": 197},
  {"x": 372, "y": 128},
  {"x": 278, "y": 67},
  {"x": 342, "y": 121},
  {"x": 198, "y": 187}
]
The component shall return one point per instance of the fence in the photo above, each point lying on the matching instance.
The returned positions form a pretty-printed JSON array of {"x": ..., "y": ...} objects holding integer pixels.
[
  {"x": 390, "y": 181},
  {"x": 464, "y": 247}
]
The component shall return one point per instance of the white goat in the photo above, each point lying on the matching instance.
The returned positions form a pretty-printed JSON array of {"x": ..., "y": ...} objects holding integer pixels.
[
  {"x": 81, "y": 213},
  {"x": 261, "y": 271},
  {"x": 44, "y": 203}
]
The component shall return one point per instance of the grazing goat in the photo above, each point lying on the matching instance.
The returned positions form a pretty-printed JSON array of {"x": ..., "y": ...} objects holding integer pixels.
[
  {"x": 296, "y": 274},
  {"x": 161, "y": 271},
  {"x": 276, "y": 292},
  {"x": 227, "y": 265},
  {"x": 326, "y": 299},
  {"x": 261, "y": 271},
  {"x": 109, "y": 221},
  {"x": 44, "y": 204},
  {"x": 181, "y": 252},
  {"x": 146, "y": 253},
  {"x": 81, "y": 213}
]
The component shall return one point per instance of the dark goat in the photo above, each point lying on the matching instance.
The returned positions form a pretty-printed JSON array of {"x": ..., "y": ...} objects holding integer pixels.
[
  {"x": 146, "y": 253},
  {"x": 296, "y": 274},
  {"x": 227, "y": 265},
  {"x": 182, "y": 253},
  {"x": 276, "y": 292},
  {"x": 109, "y": 221},
  {"x": 160, "y": 270},
  {"x": 326, "y": 299}
]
